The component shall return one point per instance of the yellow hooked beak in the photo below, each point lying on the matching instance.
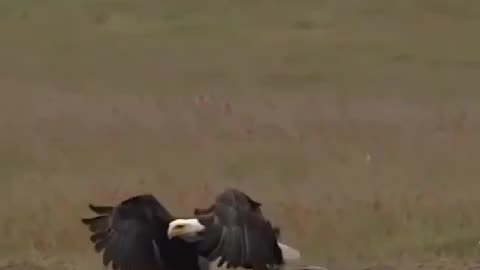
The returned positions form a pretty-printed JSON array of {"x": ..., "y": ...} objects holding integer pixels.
[{"x": 176, "y": 231}]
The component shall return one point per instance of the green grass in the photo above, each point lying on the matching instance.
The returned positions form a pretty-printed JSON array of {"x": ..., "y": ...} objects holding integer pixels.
[{"x": 101, "y": 99}]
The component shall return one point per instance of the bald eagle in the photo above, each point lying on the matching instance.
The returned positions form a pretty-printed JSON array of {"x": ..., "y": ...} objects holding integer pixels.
[{"x": 141, "y": 234}]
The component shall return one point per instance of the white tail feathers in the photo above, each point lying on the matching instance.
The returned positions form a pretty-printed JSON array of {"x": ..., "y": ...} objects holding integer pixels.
[
  {"x": 289, "y": 253},
  {"x": 291, "y": 257}
]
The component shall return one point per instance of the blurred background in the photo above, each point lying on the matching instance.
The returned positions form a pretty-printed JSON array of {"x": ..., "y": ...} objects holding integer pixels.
[{"x": 355, "y": 123}]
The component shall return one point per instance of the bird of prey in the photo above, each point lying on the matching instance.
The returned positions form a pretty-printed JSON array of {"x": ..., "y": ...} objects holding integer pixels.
[{"x": 141, "y": 234}]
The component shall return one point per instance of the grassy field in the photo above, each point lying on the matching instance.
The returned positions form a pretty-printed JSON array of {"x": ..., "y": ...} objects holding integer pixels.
[{"x": 355, "y": 123}]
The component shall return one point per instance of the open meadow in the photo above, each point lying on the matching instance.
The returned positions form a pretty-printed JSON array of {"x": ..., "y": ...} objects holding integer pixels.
[{"x": 355, "y": 123}]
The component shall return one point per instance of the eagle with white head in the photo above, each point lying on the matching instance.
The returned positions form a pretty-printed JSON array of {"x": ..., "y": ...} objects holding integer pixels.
[{"x": 141, "y": 234}]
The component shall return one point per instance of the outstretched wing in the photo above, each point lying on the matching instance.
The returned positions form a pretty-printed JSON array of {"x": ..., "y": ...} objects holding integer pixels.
[
  {"x": 131, "y": 234},
  {"x": 238, "y": 234}
]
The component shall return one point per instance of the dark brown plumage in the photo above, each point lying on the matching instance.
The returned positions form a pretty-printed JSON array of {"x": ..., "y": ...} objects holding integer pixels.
[
  {"x": 134, "y": 235},
  {"x": 240, "y": 234}
]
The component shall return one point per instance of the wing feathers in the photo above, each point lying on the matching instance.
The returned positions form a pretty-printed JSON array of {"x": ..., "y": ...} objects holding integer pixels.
[
  {"x": 132, "y": 235},
  {"x": 125, "y": 233},
  {"x": 99, "y": 236},
  {"x": 216, "y": 252},
  {"x": 107, "y": 256},
  {"x": 248, "y": 239},
  {"x": 233, "y": 247},
  {"x": 100, "y": 209},
  {"x": 95, "y": 224},
  {"x": 101, "y": 244},
  {"x": 246, "y": 245}
]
